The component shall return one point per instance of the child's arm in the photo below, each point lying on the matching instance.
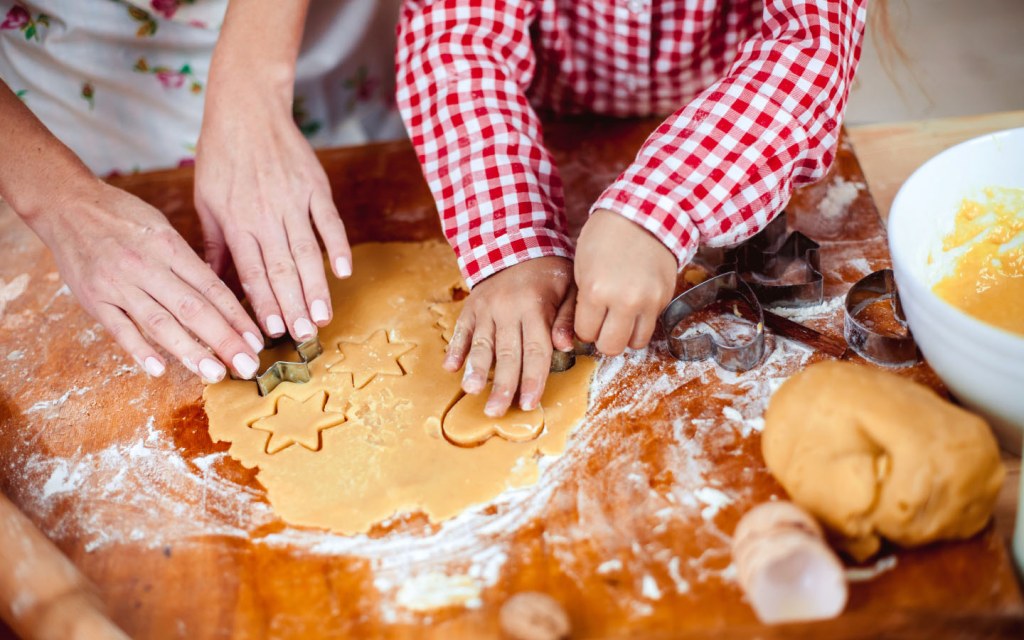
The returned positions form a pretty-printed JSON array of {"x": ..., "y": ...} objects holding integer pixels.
[
  {"x": 719, "y": 169},
  {"x": 461, "y": 91}
]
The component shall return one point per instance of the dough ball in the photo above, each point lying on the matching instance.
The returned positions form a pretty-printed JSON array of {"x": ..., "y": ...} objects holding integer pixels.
[
  {"x": 874, "y": 455},
  {"x": 531, "y": 615}
]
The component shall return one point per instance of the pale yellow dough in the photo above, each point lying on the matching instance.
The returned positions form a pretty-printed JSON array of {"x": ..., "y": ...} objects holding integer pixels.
[
  {"x": 873, "y": 454},
  {"x": 363, "y": 440}
]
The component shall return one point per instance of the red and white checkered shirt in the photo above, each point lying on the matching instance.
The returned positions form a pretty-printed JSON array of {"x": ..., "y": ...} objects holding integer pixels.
[{"x": 757, "y": 90}]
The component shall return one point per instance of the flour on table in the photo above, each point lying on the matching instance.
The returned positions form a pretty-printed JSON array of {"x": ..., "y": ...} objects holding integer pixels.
[
  {"x": 840, "y": 195},
  {"x": 465, "y": 555},
  {"x": 11, "y": 291}
]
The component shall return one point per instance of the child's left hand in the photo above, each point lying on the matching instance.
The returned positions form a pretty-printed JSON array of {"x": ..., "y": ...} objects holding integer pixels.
[
  {"x": 625, "y": 276},
  {"x": 512, "y": 319}
]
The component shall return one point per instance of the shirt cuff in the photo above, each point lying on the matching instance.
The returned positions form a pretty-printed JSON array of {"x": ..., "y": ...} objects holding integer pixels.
[
  {"x": 659, "y": 215},
  {"x": 511, "y": 248}
]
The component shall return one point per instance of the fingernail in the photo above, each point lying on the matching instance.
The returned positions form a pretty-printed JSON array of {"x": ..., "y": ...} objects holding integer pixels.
[
  {"x": 471, "y": 383},
  {"x": 319, "y": 311},
  {"x": 527, "y": 401},
  {"x": 343, "y": 267},
  {"x": 253, "y": 341},
  {"x": 245, "y": 365},
  {"x": 191, "y": 366},
  {"x": 275, "y": 325},
  {"x": 154, "y": 367},
  {"x": 304, "y": 329},
  {"x": 492, "y": 409},
  {"x": 451, "y": 362},
  {"x": 211, "y": 370}
]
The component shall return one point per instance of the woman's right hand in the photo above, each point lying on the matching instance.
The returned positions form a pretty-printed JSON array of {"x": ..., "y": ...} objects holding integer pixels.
[{"x": 138, "y": 277}]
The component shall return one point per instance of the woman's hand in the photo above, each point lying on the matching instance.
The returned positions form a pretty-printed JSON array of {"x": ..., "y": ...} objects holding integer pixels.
[
  {"x": 260, "y": 189},
  {"x": 511, "y": 320},
  {"x": 132, "y": 272},
  {"x": 625, "y": 276}
]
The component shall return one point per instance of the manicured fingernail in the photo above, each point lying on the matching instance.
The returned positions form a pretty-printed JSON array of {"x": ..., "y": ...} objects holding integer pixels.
[
  {"x": 244, "y": 365},
  {"x": 275, "y": 325},
  {"x": 154, "y": 367},
  {"x": 253, "y": 341},
  {"x": 343, "y": 267},
  {"x": 211, "y": 370},
  {"x": 191, "y": 366},
  {"x": 319, "y": 311},
  {"x": 304, "y": 329}
]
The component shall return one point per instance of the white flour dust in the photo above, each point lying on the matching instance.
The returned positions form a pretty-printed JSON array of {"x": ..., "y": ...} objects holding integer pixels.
[
  {"x": 840, "y": 195},
  {"x": 455, "y": 562},
  {"x": 801, "y": 314},
  {"x": 11, "y": 291}
]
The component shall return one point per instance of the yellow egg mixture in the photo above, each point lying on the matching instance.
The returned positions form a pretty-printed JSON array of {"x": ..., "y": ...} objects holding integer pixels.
[{"x": 988, "y": 276}]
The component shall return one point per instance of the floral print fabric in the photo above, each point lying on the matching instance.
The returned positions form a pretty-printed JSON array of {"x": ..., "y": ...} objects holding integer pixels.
[{"x": 122, "y": 82}]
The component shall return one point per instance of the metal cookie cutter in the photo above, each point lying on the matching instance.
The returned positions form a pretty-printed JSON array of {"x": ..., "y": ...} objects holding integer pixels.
[
  {"x": 765, "y": 260},
  {"x": 284, "y": 370},
  {"x": 565, "y": 360},
  {"x": 890, "y": 348},
  {"x": 737, "y": 355}
]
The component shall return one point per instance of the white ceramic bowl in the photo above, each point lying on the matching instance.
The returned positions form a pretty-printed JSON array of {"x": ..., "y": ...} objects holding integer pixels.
[{"x": 981, "y": 364}]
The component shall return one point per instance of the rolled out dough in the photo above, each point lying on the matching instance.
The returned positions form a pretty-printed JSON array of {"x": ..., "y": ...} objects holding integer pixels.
[
  {"x": 875, "y": 455},
  {"x": 363, "y": 440}
]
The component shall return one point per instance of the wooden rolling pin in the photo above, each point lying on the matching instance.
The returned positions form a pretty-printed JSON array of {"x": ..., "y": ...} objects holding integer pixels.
[{"x": 42, "y": 595}]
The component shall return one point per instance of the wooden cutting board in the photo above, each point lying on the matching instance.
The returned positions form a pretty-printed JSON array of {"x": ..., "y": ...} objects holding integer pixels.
[{"x": 630, "y": 530}]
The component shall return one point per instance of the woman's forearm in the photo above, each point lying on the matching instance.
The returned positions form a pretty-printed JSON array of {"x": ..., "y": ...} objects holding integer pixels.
[
  {"x": 256, "y": 53},
  {"x": 35, "y": 167}
]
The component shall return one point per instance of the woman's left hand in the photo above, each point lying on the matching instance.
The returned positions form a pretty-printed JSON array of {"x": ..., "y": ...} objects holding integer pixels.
[{"x": 260, "y": 191}]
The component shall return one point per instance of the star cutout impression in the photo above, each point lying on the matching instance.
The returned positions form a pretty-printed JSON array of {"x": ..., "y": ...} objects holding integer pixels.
[
  {"x": 295, "y": 422},
  {"x": 376, "y": 356}
]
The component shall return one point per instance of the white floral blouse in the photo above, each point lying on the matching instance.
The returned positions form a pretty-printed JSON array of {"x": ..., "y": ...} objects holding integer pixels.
[{"x": 122, "y": 82}]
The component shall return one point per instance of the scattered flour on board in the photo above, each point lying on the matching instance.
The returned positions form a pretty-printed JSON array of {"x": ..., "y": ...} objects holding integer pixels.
[
  {"x": 802, "y": 314},
  {"x": 453, "y": 563},
  {"x": 840, "y": 195},
  {"x": 11, "y": 291},
  {"x": 864, "y": 574},
  {"x": 51, "y": 408},
  {"x": 435, "y": 589}
]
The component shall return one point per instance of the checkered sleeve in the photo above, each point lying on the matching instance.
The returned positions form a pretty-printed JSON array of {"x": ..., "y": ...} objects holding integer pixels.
[
  {"x": 463, "y": 71},
  {"x": 720, "y": 168}
]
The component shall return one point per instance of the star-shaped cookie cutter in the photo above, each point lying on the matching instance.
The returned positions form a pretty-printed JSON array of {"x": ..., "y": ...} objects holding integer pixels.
[
  {"x": 715, "y": 294},
  {"x": 290, "y": 371},
  {"x": 766, "y": 259}
]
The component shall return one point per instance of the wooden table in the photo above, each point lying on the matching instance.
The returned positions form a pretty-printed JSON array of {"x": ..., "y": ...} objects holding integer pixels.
[
  {"x": 607, "y": 541},
  {"x": 888, "y": 154}
]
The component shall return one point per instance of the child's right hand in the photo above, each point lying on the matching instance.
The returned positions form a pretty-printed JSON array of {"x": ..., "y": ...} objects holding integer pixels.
[
  {"x": 625, "y": 276},
  {"x": 511, "y": 319}
]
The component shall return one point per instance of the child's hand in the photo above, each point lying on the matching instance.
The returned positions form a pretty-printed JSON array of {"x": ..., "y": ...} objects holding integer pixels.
[
  {"x": 511, "y": 319},
  {"x": 625, "y": 276}
]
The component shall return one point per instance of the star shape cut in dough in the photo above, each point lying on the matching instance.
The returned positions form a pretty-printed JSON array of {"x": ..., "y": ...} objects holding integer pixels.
[
  {"x": 295, "y": 422},
  {"x": 377, "y": 356},
  {"x": 447, "y": 315}
]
